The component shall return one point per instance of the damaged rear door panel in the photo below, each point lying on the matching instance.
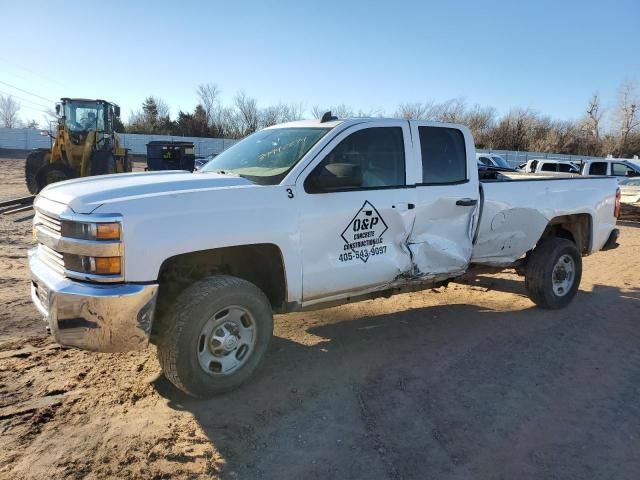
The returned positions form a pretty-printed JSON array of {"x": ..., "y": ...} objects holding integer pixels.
[{"x": 440, "y": 240}]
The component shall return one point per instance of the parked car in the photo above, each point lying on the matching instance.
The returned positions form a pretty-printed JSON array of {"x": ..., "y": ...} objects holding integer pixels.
[
  {"x": 492, "y": 160},
  {"x": 302, "y": 215},
  {"x": 549, "y": 167},
  {"x": 202, "y": 161},
  {"x": 611, "y": 167},
  {"x": 630, "y": 190}
]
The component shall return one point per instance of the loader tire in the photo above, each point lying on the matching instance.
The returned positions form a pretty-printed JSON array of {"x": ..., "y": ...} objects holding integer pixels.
[
  {"x": 35, "y": 161},
  {"x": 102, "y": 163},
  {"x": 53, "y": 173},
  {"x": 553, "y": 273},
  {"x": 214, "y": 336}
]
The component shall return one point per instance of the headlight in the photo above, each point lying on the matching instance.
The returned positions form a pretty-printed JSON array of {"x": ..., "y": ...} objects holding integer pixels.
[
  {"x": 93, "y": 265},
  {"x": 90, "y": 231}
]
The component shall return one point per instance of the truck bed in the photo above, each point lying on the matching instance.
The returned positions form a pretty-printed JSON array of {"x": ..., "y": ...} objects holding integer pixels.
[{"x": 517, "y": 207}]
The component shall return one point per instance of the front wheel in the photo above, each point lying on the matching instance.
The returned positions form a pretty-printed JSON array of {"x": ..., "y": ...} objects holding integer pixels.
[
  {"x": 34, "y": 162},
  {"x": 214, "y": 336},
  {"x": 553, "y": 273}
]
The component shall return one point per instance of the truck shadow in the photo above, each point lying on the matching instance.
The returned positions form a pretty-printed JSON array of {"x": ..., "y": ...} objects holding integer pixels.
[{"x": 445, "y": 391}]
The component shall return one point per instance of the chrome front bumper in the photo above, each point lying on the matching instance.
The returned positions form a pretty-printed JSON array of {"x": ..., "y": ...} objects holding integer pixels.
[{"x": 101, "y": 318}]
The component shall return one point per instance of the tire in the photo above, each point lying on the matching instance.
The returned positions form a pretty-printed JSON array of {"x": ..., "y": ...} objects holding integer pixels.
[
  {"x": 35, "y": 161},
  {"x": 553, "y": 273},
  {"x": 183, "y": 347},
  {"x": 102, "y": 163},
  {"x": 53, "y": 173}
]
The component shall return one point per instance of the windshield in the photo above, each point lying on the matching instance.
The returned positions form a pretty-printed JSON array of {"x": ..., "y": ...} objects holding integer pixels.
[
  {"x": 501, "y": 162},
  {"x": 84, "y": 116},
  {"x": 266, "y": 156}
]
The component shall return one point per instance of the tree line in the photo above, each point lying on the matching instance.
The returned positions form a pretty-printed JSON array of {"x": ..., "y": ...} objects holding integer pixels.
[{"x": 601, "y": 130}]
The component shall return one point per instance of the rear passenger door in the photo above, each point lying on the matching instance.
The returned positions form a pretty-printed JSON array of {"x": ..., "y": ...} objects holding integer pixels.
[{"x": 446, "y": 199}]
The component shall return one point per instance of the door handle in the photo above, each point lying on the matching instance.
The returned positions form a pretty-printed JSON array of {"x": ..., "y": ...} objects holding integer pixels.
[
  {"x": 466, "y": 202},
  {"x": 408, "y": 206}
]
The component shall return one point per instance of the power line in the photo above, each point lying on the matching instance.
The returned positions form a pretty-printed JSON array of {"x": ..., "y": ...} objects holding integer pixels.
[
  {"x": 23, "y": 99},
  {"x": 31, "y": 72},
  {"x": 34, "y": 109},
  {"x": 26, "y": 91}
]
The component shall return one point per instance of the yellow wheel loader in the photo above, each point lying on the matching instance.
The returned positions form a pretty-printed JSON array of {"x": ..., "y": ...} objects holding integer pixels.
[{"x": 84, "y": 144}]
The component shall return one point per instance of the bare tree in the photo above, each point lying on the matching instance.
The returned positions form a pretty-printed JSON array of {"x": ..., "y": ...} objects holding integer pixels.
[
  {"x": 594, "y": 116},
  {"x": 340, "y": 111},
  {"x": 627, "y": 114},
  {"x": 162, "y": 107},
  {"x": 9, "y": 112},
  {"x": 280, "y": 113},
  {"x": 209, "y": 95},
  {"x": 247, "y": 109},
  {"x": 481, "y": 120},
  {"x": 452, "y": 111},
  {"x": 413, "y": 110}
]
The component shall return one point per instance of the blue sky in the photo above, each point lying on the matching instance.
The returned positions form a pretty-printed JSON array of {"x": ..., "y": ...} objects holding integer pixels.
[{"x": 546, "y": 55}]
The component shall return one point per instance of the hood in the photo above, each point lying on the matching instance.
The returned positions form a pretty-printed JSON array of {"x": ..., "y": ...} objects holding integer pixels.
[{"x": 84, "y": 195}]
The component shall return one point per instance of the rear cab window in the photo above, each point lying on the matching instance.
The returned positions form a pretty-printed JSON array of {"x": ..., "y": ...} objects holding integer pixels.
[{"x": 444, "y": 159}]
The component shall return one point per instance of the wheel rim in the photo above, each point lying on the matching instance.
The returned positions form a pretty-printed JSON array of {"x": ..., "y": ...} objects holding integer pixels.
[
  {"x": 226, "y": 341},
  {"x": 563, "y": 275}
]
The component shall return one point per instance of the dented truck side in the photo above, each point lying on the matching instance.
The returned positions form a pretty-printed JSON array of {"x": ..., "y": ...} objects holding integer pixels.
[{"x": 346, "y": 210}]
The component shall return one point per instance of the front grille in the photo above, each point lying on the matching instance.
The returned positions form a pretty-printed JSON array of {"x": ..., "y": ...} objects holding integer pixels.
[
  {"x": 52, "y": 224},
  {"x": 62, "y": 250},
  {"x": 52, "y": 258}
]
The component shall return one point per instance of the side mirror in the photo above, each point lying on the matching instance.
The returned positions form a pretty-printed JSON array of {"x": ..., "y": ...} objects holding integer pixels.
[
  {"x": 336, "y": 175},
  {"x": 116, "y": 111},
  {"x": 58, "y": 109},
  {"x": 632, "y": 173}
]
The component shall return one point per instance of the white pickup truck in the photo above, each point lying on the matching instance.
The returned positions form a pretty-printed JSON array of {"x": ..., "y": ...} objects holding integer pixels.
[{"x": 296, "y": 216}]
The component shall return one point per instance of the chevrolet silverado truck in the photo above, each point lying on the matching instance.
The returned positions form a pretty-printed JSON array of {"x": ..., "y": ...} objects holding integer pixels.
[{"x": 297, "y": 216}]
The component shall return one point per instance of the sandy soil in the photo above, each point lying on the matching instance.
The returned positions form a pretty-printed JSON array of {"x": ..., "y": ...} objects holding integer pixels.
[{"x": 470, "y": 381}]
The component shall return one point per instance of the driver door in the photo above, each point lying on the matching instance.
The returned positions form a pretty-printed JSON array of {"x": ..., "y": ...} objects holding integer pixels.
[{"x": 353, "y": 237}]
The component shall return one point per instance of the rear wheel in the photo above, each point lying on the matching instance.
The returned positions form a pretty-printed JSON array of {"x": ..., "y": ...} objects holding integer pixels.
[
  {"x": 35, "y": 161},
  {"x": 553, "y": 273},
  {"x": 214, "y": 336}
]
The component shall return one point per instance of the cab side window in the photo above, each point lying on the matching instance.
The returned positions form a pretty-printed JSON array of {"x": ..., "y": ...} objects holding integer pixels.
[
  {"x": 598, "y": 168},
  {"x": 619, "y": 169},
  {"x": 444, "y": 158},
  {"x": 377, "y": 152},
  {"x": 549, "y": 167}
]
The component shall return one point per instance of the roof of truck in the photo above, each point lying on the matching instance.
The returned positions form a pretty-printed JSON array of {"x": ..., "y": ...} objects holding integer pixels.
[{"x": 316, "y": 123}]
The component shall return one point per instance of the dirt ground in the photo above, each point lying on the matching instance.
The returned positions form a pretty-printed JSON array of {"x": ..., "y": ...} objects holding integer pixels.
[{"x": 470, "y": 381}]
